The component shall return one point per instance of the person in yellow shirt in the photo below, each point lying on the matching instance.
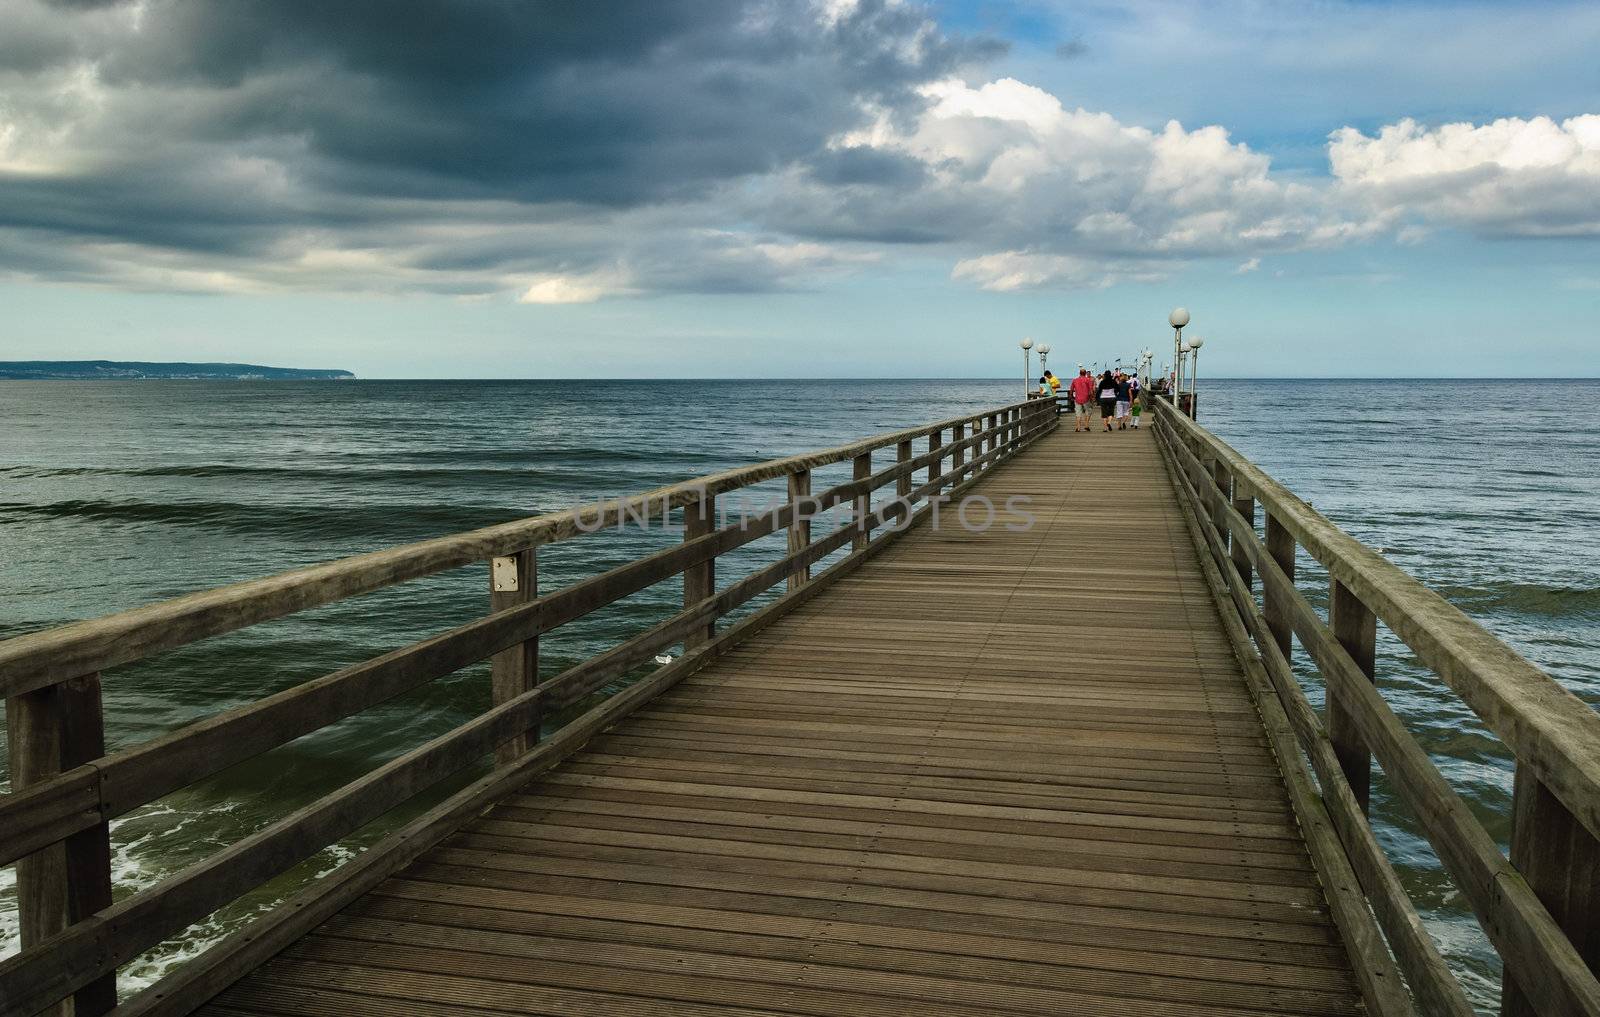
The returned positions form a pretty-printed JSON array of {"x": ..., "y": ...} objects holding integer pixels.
[{"x": 1055, "y": 388}]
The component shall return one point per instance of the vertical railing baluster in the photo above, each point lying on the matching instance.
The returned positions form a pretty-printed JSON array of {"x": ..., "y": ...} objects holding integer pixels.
[
  {"x": 514, "y": 580},
  {"x": 935, "y": 442},
  {"x": 88, "y": 852},
  {"x": 1560, "y": 859},
  {"x": 1356, "y": 628},
  {"x": 958, "y": 455},
  {"x": 861, "y": 471},
  {"x": 800, "y": 524},
  {"x": 33, "y": 741},
  {"x": 1244, "y": 503},
  {"x": 902, "y": 484},
  {"x": 1280, "y": 545},
  {"x": 699, "y": 581},
  {"x": 1223, "y": 477},
  {"x": 49, "y": 731}
]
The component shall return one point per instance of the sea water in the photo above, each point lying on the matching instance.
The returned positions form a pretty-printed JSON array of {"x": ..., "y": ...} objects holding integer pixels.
[{"x": 116, "y": 494}]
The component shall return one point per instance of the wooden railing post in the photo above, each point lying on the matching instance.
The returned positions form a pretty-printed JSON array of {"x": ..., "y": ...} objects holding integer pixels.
[
  {"x": 800, "y": 525},
  {"x": 49, "y": 731},
  {"x": 699, "y": 581},
  {"x": 902, "y": 486},
  {"x": 989, "y": 442},
  {"x": 1560, "y": 859},
  {"x": 514, "y": 580},
  {"x": 1280, "y": 545},
  {"x": 935, "y": 442},
  {"x": 1244, "y": 503},
  {"x": 861, "y": 471},
  {"x": 1356, "y": 628},
  {"x": 1219, "y": 513},
  {"x": 958, "y": 455}
]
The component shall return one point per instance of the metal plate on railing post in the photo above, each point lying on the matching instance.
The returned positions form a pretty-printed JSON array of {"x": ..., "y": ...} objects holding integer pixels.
[{"x": 504, "y": 571}]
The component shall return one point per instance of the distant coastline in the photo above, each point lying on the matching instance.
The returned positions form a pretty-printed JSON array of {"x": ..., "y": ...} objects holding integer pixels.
[{"x": 139, "y": 370}]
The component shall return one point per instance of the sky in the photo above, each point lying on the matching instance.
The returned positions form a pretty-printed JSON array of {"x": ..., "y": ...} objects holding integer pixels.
[{"x": 804, "y": 188}]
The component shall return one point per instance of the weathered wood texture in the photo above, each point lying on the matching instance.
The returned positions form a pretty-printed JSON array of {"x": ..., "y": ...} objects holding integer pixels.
[
  {"x": 1364, "y": 869},
  {"x": 514, "y": 580},
  {"x": 700, "y": 581},
  {"x": 1547, "y": 727},
  {"x": 1016, "y": 771},
  {"x": 1538, "y": 909},
  {"x": 39, "y": 659},
  {"x": 49, "y": 731}
]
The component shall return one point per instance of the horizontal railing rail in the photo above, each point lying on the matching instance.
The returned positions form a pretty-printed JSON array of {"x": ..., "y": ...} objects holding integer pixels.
[
  {"x": 66, "y": 788},
  {"x": 1541, "y": 907},
  {"x": 33, "y": 661}
]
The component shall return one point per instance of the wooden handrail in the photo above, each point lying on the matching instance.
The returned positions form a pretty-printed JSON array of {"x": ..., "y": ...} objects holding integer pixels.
[
  {"x": 1554, "y": 976},
  {"x": 1435, "y": 987},
  {"x": 80, "y": 958},
  {"x": 1548, "y": 728},
  {"x": 45, "y": 812},
  {"x": 44, "y": 658}
]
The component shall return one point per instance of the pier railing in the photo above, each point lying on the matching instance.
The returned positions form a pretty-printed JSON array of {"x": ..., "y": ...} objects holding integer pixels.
[
  {"x": 1540, "y": 908},
  {"x": 66, "y": 788}
]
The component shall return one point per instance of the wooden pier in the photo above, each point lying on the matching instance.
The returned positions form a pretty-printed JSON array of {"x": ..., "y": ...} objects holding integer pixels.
[{"x": 1041, "y": 755}]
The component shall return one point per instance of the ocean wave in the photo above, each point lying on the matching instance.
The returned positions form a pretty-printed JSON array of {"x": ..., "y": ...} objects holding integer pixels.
[
  {"x": 366, "y": 522},
  {"x": 347, "y": 469},
  {"x": 1526, "y": 599}
]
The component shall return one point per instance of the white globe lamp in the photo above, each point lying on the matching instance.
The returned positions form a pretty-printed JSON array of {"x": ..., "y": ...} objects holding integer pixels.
[{"x": 1177, "y": 319}]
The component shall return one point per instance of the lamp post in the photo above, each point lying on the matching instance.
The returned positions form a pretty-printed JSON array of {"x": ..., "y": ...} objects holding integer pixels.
[
  {"x": 1177, "y": 319},
  {"x": 1044, "y": 351},
  {"x": 1194, "y": 372},
  {"x": 1027, "y": 344},
  {"x": 1185, "y": 348}
]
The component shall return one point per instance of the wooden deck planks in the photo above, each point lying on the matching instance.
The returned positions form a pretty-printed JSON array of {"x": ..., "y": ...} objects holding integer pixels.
[{"x": 1010, "y": 771}]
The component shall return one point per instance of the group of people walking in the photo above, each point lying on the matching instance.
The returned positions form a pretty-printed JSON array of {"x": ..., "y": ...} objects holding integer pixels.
[{"x": 1117, "y": 392}]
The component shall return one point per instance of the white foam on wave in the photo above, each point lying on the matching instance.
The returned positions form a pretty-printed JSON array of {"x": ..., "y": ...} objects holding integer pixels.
[{"x": 137, "y": 863}]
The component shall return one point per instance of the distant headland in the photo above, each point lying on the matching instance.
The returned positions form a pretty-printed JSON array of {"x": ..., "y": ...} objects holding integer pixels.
[{"x": 136, "y": 370}]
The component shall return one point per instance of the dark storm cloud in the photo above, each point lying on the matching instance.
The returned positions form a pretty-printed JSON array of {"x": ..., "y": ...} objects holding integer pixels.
[
  {"x": 239, "y": 129},
  {"x": 861, "y": 164},
  {"x": 607, "y": 102}
]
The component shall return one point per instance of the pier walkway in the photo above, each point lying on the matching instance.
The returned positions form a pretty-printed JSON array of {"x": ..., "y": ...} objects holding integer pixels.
[
  {"x": 997, "y": 771},
  {"x": 924, "y": 762}
]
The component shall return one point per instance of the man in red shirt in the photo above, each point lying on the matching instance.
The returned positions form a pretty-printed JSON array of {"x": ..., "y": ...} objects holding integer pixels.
[{"x": 1082, "y": 393}]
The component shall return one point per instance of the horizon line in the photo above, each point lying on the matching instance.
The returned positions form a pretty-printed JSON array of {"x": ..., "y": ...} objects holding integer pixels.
[
  {"x": 609, "y": 380},
  {"x": 871, "y": 377}
]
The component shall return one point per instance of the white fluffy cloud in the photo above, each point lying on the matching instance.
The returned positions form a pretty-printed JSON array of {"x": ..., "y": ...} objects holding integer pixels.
[
  {"x": 1511, "y": 177},
  {"x": 1062, "y": 197}
]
